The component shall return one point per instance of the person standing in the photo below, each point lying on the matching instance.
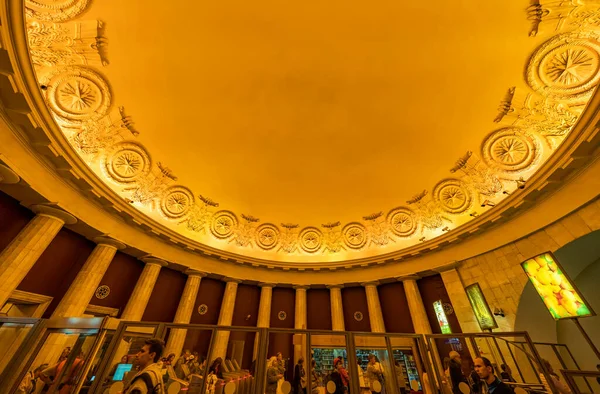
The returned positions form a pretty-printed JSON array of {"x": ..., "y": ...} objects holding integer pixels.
[
  {"x": 336, "y": 377},
  {"x": 300, "y": 377},
  {"x": 273, "y": 375},
  {"x": 456, "y": 374},
  {"x": 375, "y": 374},
  {"x": 489, "y": 382},
  {"x": 68, "y": 378},
  {"x": 149, "y": 378}
]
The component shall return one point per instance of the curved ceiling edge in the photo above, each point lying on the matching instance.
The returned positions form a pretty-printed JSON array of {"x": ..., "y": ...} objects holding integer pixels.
[{"x": 59, "y": 151}]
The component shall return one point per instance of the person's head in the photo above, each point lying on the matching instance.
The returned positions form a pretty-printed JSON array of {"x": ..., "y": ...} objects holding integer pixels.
[
  {"x": 446, "y": 362},
  {"x": 313, "y": 363},
  {"x": 66, "y": 351},
  {"x": 338, "y": 364},
  {"x": 372, "y": 359},
  {"x": 548, "y": 367},
  {"x": 38, "y": 370},
  {"x": 273, "y": 362},
  {"x": 484, "y": 368},
  {"x": 279, "y": 356},
  {"x": 301, "y": 361},
  {"x": 504, "y": 368},
  {"x": 171, "y": 357},
  {"x": 187, "y": 353},
  {"x": 454, "y": 355},
  {"x": 124, "y": 359},
  {"x": 150, "y": 352}
]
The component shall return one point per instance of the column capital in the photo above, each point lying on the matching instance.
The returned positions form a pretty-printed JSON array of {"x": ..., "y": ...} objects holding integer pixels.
[
  {"x": 233, "y": 280},
  {"x": 104, "y": 240},
  {"x": 192, "y": 272},
  {"x": 8, "y": 176},
  {"x": 337, "y": 286},
  {"x": 301, "y": 287},
  {"x": 447, "y": 267},
  {"x": 371, "y": 283},
  {"x": 53, "y": 211},
  {"x": 149, "y": 259},
  {"x": 266, "y": 284},
  {"x": 408, "y": 277}
]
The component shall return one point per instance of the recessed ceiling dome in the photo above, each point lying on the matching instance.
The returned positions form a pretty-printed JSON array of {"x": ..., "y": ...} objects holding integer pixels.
[{"x": 311, "y": 132}]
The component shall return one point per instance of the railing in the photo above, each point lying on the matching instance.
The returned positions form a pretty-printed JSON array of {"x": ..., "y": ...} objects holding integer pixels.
[{"x": 591, "y": 378}]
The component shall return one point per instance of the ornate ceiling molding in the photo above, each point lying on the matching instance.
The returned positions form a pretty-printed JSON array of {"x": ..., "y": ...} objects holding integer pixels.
[{"x": 76, "y": 112}]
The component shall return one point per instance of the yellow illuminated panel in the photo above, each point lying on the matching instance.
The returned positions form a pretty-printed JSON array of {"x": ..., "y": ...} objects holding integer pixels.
[
  {"x": 558, "y": 293},
  {"x": 481, "y": 309}
]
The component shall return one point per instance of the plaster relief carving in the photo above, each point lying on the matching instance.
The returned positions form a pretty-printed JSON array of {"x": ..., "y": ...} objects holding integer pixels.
[
  {"x": 76, "y": 94},
  {"x": 427, "y": 212},
  {"x": 55, "y": 10},
  {"x": 332, "y": 238},
  {"x": 355, "y": 235},
  {"x": 478, "y": 176},
  {"x": 559, "y": 15},
  {"x": 150, "y": 188},
  {"x": 199, "y": 215},
  {"x": 566, "y": 67},
  {"x": 223, "y": 224},
  {"x": 267, "y": 236},
  {"x": 244, "y": 233},
  {"x": 177, "y": 202},
  {"x": 289, "y": 238},
  {"x": 402, "y": 221},
  {"x": 72, "y": 43},
  {"x": 510, "y": 150},
  {"x": 378, "y": 229},
  {"x": 127, "y": 162},
  {"x": 452, "y": 196},
  {"x": 311, "y": 239}
]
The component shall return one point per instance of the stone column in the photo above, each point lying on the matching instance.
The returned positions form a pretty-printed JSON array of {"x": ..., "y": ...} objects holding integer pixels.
[
  {"x": 458, "y": 297},
  {"x": 184, "y": 311},
  {"x": 375, "y": 315},
  {"x": 81, "y": 291},
  {"x": 300, "y": 323},
  {"x": 337, "y": 310},
  {"x": 415, "y": 304},
  {"x": 225, "y": 318},
  {"x": 8, "y": 176},
  {"x": 21, "y": 254},
  {"x": 134, "y": 310},
  {"x": 264, "y": 311}
]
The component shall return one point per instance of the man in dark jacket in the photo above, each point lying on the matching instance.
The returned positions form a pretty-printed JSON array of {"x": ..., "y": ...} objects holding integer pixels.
[
  {"x": 456, "y": 374},
  {"x": 490, "y": 383}
]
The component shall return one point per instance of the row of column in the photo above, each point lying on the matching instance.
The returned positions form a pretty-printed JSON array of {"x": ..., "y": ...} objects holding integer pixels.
[{"x": 22, "y": 253}]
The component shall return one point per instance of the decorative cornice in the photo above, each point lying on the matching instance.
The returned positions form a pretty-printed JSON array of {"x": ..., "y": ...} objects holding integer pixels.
[
  {"x": 105, "y": 240},
  {"x": 149, "y": 259},
  {"x": 53, "y": 211}
]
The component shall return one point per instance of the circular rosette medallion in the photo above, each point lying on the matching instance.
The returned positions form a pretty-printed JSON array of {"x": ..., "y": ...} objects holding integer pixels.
[
  {"x": 355, "y": 235},
  {"x": 177, "y": 202},
  {"x": 55, "y": 10},
  {"x": 510, "y": 150},
  {"x": 267, "y": 236},
  {"x": 358, "y": 316},
  {"x": 223, "y": 223},
  {"x": 102, "y": 292},
  {"x": 202, "y": 309},
  {"x": 452, "y": 196},
  {"x": 311, "y": 239},
  {"x": 566, "y": 67},
  {"x": 77, "y": 94},
  {"x": 402, "y": 222},
  {"x": 281, "y": 315},
  {"x": 127, "y": 162}
]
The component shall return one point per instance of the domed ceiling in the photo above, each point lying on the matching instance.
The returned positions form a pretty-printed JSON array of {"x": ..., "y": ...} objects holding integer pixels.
[{"x": 313, "y": 131}]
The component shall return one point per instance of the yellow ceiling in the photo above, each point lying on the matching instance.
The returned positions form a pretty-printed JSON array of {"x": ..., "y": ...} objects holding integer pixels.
[
  {"x": 310, "y": 112},
  {"x": 307, "y": 113}
]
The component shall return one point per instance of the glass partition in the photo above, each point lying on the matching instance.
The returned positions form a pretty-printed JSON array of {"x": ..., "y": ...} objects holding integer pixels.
[
  {"x": 328, "y": 370},
  {"x": 12, "y": 334}
]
